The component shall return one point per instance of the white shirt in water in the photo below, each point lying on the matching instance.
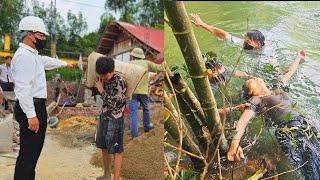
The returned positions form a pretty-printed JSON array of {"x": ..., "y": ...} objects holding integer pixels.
[
  {"x": 5, "y": 73},
  {"x": 28, "y": 71}
]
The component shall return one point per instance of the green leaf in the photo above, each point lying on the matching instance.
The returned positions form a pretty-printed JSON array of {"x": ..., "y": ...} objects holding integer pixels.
[{"x": 287, "y": 117}]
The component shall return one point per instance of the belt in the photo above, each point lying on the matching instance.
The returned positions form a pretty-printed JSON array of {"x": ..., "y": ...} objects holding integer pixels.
[
  {"x": 39, "y": 99},
  {"x": 36, "y": 100}
]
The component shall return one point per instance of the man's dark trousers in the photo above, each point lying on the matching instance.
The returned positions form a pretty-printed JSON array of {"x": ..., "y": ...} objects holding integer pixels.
[{"x": 31, "y": 143}]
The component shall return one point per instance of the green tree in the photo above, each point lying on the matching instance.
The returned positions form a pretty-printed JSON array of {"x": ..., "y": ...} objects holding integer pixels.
[
  {"x": 144, "y": 12},
  {"x": 151, "y": 13},
  {"x": 105, "y": 19},
  {"x": 89, "y": 41},
  {"x": 11, "y": 11}
]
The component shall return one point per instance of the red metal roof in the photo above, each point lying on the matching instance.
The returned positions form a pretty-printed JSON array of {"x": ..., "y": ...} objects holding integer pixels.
[{"x": 152, "y": 37}]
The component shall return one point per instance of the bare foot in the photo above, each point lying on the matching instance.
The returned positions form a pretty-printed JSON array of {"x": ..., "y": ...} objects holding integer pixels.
[{"x": 104, "y": 177}]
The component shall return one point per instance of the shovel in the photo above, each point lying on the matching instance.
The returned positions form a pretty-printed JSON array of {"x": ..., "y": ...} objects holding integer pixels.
[{"x": 53, "y": 121}]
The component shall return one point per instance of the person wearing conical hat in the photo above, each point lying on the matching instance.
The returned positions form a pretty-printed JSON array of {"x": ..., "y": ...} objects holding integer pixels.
[{"x": 141, "y": 95}]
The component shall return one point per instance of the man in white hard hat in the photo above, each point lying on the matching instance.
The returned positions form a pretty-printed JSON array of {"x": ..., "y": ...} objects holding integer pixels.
[
  {"x": 28, "y": 71},
  {"x": 141, "y": 94}
]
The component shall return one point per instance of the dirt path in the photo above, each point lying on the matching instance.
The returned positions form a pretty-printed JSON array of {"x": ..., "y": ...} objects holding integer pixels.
[
  {"x": 68, "y": 150},
  {"x": 56, "y": 162}
]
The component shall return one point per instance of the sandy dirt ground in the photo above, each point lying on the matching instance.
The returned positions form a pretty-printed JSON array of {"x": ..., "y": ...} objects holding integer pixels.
[
  {"x": 56, "y": 162},
  {"x": 69, "y": 152}
]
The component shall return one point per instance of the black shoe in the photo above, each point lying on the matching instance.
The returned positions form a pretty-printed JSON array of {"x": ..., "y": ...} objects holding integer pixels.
[{"x": 150, "y": 128}]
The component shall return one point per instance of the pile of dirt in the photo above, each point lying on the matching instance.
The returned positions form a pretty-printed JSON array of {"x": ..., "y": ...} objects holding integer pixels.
[
  {"x": 74, "y": 121},
  {"x": 142, "y": 157},
  {"x": 76, "y": 131}
]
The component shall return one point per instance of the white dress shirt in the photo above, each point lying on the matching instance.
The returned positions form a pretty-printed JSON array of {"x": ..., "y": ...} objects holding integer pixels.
[
  {"x": 28, "y": 71},
  {"x": 5, "y": 73}
]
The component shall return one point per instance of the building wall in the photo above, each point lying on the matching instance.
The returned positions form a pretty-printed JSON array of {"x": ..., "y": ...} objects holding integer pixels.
[{"x": 123, "y": 46}]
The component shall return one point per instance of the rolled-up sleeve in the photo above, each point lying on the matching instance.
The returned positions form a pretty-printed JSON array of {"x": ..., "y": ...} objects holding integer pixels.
[
  {"x": 52, "y": 63},
  {"x": 24, "y": 68}
]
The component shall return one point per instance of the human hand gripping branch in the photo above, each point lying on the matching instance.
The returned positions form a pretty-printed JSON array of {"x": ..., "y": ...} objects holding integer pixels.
[
  {"x": 240, "y": 107},
  {"x": 235, "y": 152}
]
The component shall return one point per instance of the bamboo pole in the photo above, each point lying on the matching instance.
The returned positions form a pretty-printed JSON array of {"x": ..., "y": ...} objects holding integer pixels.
[
  {"x": 185, "y": 37},
  {"x": 190, "y": 107},
  {"x": 183, "y": 89},
  {"x": 173, "y": 130},
  {"x": 194, "y": 124}
]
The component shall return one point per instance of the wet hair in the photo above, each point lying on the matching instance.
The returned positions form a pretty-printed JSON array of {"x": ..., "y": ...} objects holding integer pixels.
[
  {"x": 256, "y": 35},
  {"x": 104, "y": 65},
  {"x": 215, "y": 65},
  {"x": 7, "y": 57},
  {"x": 244, "y": 93}
]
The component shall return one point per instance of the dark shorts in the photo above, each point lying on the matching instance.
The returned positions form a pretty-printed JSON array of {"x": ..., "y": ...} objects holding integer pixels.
[{"x": 110, "y": 135}]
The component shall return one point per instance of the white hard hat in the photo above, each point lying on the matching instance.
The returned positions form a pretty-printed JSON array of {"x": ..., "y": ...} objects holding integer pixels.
[{"x": 32, "y": 23}]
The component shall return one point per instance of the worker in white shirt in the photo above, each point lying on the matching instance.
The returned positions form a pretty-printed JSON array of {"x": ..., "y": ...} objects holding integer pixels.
[
  {"x": 6, "y": 81},
  {"x": 28, "y": 71}
]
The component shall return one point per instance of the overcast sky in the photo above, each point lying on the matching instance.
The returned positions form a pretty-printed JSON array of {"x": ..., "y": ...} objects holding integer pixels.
[{"x": 91, "y": 10}]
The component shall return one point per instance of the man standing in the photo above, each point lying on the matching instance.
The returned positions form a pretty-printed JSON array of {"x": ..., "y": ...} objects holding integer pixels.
[
  {"x": 6, "y": 78},
  {"x": 28, "y": 71},
  {"x": 141, "y": 92}
]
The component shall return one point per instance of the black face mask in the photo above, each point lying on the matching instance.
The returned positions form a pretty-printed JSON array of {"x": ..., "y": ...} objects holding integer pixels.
[
  {"x": 247, "y": 46},
  {"x": 40, "y": 44}
]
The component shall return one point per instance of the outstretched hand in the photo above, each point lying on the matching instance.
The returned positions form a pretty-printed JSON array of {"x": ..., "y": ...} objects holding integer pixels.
[
  {"x": 301, "y": 54},
  {"x": 195, "y": 19},
  {"x": 71, "y": 65}
]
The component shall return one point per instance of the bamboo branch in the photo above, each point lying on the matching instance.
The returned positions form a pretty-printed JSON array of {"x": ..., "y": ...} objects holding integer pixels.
[
  {"x": 188, "y": 153},
  {"x": 292, "y": 170},
  {"x": 168, "y": 166}
]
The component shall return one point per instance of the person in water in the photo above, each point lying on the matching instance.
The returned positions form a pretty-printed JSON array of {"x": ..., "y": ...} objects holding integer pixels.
[
  {"x": 252, "y": 40},
  {"x": 295, "y": 134},
  {"x": 221, "y": 74}
]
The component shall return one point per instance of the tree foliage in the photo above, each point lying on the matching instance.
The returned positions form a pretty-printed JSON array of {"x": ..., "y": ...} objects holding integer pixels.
[
  {"x": 11, "y": 11},
  {"x": 71, "y": 32},
  {"x": 144, "y": 12}
]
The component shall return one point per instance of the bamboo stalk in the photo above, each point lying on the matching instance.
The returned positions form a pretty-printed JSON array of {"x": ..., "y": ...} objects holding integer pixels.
[
  {"x": 183, "y": 89},
  {"x": 194, "y": 124},
  {"x": 185, "y": 37},
  {"x": 172, "y": 128}
]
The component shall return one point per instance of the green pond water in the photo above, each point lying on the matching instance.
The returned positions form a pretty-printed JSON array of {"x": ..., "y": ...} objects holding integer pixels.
[{"x": 288, "y": 27}]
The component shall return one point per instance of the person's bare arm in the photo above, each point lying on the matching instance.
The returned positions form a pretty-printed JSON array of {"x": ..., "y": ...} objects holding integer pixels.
[
  {"x": 196, "y": 20},
  {"x": 241, "y": 74},
  {"x": 240, "y": 107},
  {"x": 293, "y": 67},
  {"x": 235, "y": 152}
]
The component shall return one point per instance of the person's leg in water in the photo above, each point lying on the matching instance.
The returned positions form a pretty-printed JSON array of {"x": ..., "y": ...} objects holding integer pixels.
[
  {"x": 303, "y": 152},
  {"x": 133, "y": 106},
  {"x": 106, "y": 164},
  {"x": 117, "y": 165},
  {"x": 144, "y": 101}
]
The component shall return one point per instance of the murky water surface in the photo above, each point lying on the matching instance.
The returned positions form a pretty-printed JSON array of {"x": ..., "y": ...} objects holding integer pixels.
[{"x": 288, "y": 27}]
